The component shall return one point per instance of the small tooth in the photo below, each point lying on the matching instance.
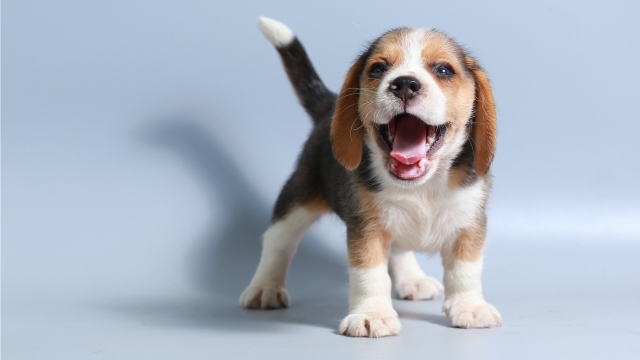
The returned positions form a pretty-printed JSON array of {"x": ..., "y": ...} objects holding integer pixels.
[{"x": 431, "y": 135}]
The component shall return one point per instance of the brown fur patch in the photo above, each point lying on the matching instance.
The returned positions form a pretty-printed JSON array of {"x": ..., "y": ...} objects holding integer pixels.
[
  {"x": 346, "y": 127},
  {"x": 369, "y": 242},
  {"x": 317, "y": 204},
  {"x": 440, "y": 49},
  {"x": 388, "y": 50},
  {"x": 485, "y": 130},
  {"x": 470, "y": 244}
]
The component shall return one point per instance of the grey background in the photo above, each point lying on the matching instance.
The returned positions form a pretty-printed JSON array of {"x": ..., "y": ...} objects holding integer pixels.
[{"x": 144, "y": 143}]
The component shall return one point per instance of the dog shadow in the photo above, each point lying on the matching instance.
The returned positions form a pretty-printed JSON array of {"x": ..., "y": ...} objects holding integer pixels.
[{"x": 227, "y": 254}]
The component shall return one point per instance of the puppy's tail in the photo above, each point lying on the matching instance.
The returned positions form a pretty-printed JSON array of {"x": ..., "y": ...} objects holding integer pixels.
[{"x": 314, "y": 96}]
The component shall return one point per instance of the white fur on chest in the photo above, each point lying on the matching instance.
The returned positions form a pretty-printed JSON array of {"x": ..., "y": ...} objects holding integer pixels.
[{"x": 429, "y": 217}]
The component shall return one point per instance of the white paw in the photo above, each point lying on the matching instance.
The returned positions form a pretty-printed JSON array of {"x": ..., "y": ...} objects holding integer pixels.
[
  {"x": 421, "y": 288},
  {"x": 471, "y": 312},
  {"x": 264, "y": 297},
  {"x": 370, "y": 325}
]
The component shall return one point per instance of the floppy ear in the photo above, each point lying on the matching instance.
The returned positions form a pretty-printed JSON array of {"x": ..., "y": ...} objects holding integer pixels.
[
  {"x": 347, "y": 128},
  {"x": 485, "y": 128}
]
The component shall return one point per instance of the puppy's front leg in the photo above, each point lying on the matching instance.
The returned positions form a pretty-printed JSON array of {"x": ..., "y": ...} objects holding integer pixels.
[
  {"x": 464, "y": 304},
  {"x": 370, "y": 310}
]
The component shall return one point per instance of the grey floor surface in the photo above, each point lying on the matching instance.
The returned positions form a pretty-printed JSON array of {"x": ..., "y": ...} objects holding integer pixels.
[{"x": 559, "y": 301}]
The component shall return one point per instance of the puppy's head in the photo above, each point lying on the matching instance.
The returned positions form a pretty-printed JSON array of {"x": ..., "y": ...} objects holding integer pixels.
[{"x": 414, "y": 97}]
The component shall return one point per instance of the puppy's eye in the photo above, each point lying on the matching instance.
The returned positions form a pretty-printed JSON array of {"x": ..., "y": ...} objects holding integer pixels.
[
  {"x": 377, "y": 70},
  {"x": 444, "y": 71}
]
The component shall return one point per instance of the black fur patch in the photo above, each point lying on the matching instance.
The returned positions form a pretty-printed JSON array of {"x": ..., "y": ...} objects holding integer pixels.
[
  {"x": 465, "y": 160},
  {"x": 365, "y": 172}
]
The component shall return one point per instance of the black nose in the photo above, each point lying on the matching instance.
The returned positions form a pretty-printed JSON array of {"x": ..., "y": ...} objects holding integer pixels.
[{"x": 405, "y": 87}]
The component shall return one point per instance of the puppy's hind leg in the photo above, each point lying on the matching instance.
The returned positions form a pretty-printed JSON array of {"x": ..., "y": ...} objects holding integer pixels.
[
  {"x": 267, "y": 289},
  {"x": 409, "y": 281}
]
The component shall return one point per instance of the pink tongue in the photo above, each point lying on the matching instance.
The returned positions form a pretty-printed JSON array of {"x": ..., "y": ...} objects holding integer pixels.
[{"x": 410, "y": 141}]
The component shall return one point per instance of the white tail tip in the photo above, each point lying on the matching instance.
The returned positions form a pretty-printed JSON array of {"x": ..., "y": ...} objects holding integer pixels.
[{"x": 276, "y": 32}]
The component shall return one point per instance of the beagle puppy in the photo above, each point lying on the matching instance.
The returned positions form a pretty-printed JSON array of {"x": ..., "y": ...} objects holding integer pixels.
[{"x": 402, "y": 156}]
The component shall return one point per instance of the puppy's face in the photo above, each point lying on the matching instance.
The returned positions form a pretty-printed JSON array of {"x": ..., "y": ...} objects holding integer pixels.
[{"x": 411, "y": 95}]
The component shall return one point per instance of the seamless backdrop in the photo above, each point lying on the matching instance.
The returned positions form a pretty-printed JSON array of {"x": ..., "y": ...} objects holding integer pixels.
[{"x": 144, "y": 143}]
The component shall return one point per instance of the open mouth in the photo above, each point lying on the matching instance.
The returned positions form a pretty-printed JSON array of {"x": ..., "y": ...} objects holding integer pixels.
[{"x": 411, "y": 145}]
